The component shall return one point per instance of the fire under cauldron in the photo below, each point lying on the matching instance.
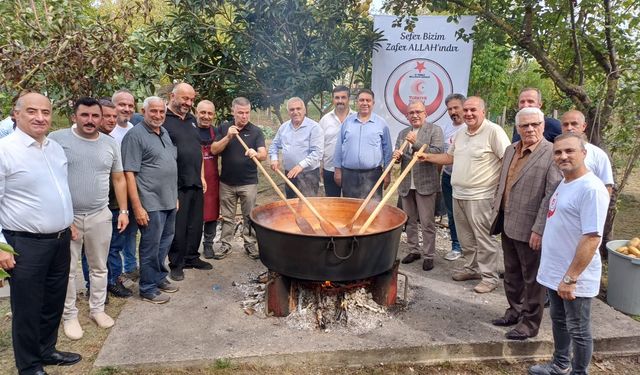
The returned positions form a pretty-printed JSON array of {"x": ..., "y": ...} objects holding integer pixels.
[{"x": 324, "y": 263}]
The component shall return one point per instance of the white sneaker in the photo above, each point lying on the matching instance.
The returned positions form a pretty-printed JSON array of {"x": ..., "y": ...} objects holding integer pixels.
[
  {"x": 453, "y": 255},
  {"x": 72, "y": 329},
  {"x": 102, "y": 320}
]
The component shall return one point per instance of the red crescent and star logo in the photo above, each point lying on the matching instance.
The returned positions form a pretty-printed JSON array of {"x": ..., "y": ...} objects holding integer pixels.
[{"x": 418, "y": 79}]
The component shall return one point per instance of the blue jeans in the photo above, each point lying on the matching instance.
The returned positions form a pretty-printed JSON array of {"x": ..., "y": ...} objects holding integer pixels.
[
  {"x": 155, "y": 241},
  {"x": 130, "y": 246},
  {"x": 121, "y": 243},
  {"x": 447, "y": 194},
  {"x": 571, "y": 325}
]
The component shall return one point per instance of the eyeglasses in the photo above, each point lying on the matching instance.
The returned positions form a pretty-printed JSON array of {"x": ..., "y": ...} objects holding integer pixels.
[
  {"x": 532, "y": 124},
  {"x": 414, "y": 113}
]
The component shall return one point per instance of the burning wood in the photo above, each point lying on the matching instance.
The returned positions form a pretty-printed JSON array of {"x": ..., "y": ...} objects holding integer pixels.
[{"x": 353, "y": 310}]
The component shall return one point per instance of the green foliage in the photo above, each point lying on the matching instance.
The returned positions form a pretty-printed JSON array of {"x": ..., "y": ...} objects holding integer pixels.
[
  {"x": 265, "y": 50},
  {"x": 582, "y": 47},
  {"x": 107, "y": 371},
  {"x": 63, "y": 48},
  {"x": 222, "y": 363}
]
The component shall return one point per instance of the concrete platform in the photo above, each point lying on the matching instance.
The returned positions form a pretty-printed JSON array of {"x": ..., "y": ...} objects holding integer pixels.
[{"x": 444, "y": 321}]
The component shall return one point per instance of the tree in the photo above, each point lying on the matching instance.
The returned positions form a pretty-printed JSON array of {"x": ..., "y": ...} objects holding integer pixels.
[
  {"x": 63, "y": 48},
  {"x": 588, "y": 49},
  {"x": 266, "y": 50}
]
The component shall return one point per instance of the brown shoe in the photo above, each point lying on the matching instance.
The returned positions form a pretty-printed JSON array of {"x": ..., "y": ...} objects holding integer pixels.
[
  {"x": 465, "y": 275},
  {"x": 484, "y": 287}
]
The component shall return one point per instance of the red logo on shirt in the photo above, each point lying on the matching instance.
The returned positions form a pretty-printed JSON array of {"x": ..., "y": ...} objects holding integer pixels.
[{"x": 552, "y": 205}]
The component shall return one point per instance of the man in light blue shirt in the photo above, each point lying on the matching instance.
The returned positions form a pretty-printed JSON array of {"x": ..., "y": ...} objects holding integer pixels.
[
  {"x": 301, "y": 142},
  {"x": 362, "y": 150}
]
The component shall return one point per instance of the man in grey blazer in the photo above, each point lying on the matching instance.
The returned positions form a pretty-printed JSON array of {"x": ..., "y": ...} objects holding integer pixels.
[
  {"x": 527, "y": 181},
  {"x": 418, "y": 190}
]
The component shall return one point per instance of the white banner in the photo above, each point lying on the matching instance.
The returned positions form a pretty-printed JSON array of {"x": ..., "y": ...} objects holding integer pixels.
[{"x": 427, "y": 64}]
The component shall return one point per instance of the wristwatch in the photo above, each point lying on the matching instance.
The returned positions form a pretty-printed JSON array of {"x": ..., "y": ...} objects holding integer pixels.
[
  {"x": 126, "y": 212},
  {"x": 568, "y": 280}
]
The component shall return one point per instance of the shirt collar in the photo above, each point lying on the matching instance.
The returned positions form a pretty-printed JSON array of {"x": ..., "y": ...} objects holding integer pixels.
[
  {"x": 151, "y": 130},
  {"x": 27, "y": 140},
  {"x": 480, "y": 128},
  {"x": 305, "y": 123},
  {"x": 333, "y": 112},
  {"x": 520, "y": 149}
]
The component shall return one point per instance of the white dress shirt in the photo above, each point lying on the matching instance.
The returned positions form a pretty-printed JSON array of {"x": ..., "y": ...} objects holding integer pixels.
[
  {"x": 34, "y": 193},
  {"x": 330, "y": 124}
]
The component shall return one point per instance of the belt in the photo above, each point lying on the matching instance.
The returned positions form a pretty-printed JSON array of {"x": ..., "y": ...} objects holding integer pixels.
[
  {"x": 41, "y": 236},
  {"x": 378, "y": 168}
]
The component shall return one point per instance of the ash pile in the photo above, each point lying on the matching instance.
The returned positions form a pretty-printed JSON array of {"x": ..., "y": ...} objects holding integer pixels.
[
  {"x": 325, "y": 306},
  {"x": 354, "y": 311}
]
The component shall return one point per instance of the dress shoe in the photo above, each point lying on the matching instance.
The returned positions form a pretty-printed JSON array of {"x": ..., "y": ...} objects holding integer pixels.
[
  {"x": 40, "y": 372},
  {"x": 484, "y": 287},
  {"x": 102, "y": 320},
  {"x": 410, "y": 258},
  {"x": 198, "y": 264},
  {"x": 504, "y": 322},
  {"x": 427, "y": 265},
  {"x": 72, "y": 329},
  {"x": 465, "y": 275},
  {"x": 58, "y": 358},
  {"x": 176, "y": 274},
  {"x": 514, "y": 334}
]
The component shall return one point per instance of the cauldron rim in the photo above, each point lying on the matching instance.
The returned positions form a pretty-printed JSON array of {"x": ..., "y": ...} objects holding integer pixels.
[{"x": 294, "y": 201}]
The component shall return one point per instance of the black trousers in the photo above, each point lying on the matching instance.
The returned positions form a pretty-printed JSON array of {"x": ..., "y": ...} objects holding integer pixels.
[
  {"x": 38, "y": 287},
  {"x": 188, "y": 233},
  {"x": 307, "y": 182},
  {"x": 357, "y": 183}
]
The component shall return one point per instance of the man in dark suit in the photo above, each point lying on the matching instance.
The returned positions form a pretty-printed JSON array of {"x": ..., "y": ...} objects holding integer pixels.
[
  {"x": 418, "y": 190},
  {"x": 527, "y": 181},
  {"x": 531, "y": 97}
]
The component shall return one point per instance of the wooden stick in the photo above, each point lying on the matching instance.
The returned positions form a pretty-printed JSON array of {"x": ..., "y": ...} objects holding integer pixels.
[
  {"x": 392, "y": 190},
  {"x": 326, "y": 226},
  {"x": 303, "y": 224},
  {"x": 375, "y": 187}
]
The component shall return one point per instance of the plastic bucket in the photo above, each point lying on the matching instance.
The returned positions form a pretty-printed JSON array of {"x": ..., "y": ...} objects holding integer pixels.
[{"x": 623, "y": 293}]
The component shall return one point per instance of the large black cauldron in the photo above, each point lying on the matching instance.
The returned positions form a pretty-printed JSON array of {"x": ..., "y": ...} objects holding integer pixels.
[{"x": 319, "y": 257}]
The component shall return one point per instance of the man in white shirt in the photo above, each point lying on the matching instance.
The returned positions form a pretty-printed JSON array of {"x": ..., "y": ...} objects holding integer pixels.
[
  {"x": 597, "y": 160},
  {"x": 330, "y": 124},
  {"x": 454, "y": 109},
  {"x": 570, "y": 265},
  {"x": 125, "y": 108},
  {"x": 35, "y": 213}
]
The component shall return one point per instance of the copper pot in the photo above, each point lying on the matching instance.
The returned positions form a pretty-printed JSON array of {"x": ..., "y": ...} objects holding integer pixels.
[{"x": 286, "y": 250}]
